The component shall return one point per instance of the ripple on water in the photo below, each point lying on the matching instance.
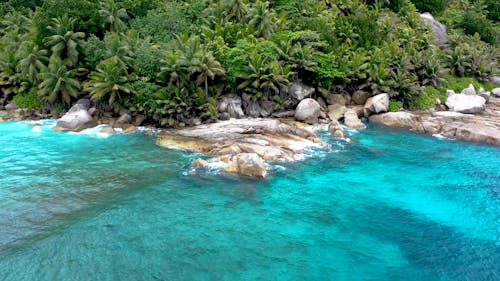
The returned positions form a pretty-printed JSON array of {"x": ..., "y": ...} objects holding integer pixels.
[{"x": 389, "y": 206}]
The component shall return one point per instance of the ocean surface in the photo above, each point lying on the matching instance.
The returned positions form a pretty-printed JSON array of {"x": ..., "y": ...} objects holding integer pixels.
[{"x": 390, "y": 206}]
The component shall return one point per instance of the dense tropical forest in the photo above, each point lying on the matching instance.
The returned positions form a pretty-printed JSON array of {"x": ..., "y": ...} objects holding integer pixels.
[{"x": 172, "y": 60}]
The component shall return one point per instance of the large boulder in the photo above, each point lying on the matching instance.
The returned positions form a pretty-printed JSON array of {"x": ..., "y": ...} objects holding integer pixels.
[
  {"x": 231, "y": 105},
  {"x": 337, "y": 99},
  {"x": 308, "y": 111},
  {"x": 495, "y": 92},
  {"x": 336, "y": 111},
  {"x": 438, "y": 29},
  {"x": 76, "y": 119},
  {"x": 360, "y": 97},
  {"x": 352, "y": 121},
  {"x": 376, "y": 104},
  {"x": 465, "y": 103},
  {"x": 11, "y": 107},
  {"x": 253, "y": 109},
  {"x": 399, "y": 119},
  {"x": 249, "y": 165},
  {"x": 299, "y": 90}
]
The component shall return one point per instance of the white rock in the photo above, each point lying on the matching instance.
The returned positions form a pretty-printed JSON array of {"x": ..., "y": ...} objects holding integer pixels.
[
  {"x": 465, "y": 103},
  {"x": 308, "y": 111},
  {"x": 469, "y": 90},
  {"x": 376, "y": 104},
  {"x": 496, "y": 92}
]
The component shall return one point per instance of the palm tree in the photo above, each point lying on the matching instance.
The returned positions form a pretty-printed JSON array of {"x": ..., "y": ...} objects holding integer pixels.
[
  {"x": 236, "y": 9},
  {"x": 32, "y": 62},
  {"x": 65, "y": 42},
  {"x": 9, "y": 82},
  {"x": 263, "y": 20},
  {"x": 109, "y": 81},
  {"x": 16, "y": 23},
  {"x": 113, "y": 16},
  {"x": 262, "y": 76},
  {"x": 119, "y": 49},
  {"x": 58, "y": 83},
  {"x": 207, "y": 67}
]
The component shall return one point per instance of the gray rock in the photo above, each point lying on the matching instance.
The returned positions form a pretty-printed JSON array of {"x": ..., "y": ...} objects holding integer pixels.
[
  {"x": 11, "y": 107},
  {"x": 76, "y": 119},
  {"x": 93, "y": 111},
  {"x": 253, "y": 109},
  {"x": 336, "y": 99},
  {"x": 84, "y": 102},
  {"x": 398, "y": 119},
  {"x": 335, "y": 130},
  {"x": 450, "y": 92},
  {"x": 231, "y": 104},
  {"x": 352, "y": 121},
  {"x": 267, "y": 108},
  {"x": 376, "y": 104},
  {"x": 336, "y": 111},
  {"x": 308, "y": 111},
  {"x": 124, "y": 119},
  {"x": 284, "y": 114},
  {"x": 360, "y": 97},
  {"x": 484, "y": 94},
  {"x": 469, "y": 90},
  {"x": 495, "y": 79},
  {"x": 139, "y": 119},
  {"x": 465, "y": 103},
  {"x": 439, "y": 30},
  {"x": 299, "y": 90},
  {"x": 496, "y": 92}
]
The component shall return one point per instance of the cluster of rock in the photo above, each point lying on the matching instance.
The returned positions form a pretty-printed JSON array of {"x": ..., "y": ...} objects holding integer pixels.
[
  {"x": 471, "y": 116},
  {"x": 243, "y": 144}
]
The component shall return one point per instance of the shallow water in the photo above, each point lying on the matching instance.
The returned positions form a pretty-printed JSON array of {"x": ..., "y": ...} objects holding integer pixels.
[{"x": 390, "y": 206}]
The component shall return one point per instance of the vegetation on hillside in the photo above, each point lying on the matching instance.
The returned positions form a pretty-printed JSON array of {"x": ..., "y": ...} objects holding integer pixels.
[{"x": 171, "y": 60}]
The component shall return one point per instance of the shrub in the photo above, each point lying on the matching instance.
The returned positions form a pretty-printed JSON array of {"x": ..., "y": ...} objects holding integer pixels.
[
  {"x": 29, "y": 100},
  {"x": 493, "y": 9},
  {"x": 427, "y": 98},
  {"x": 431, "y": 6},
  {"x": 395, "y": 106},
  {"x": 474, "y": 22}
]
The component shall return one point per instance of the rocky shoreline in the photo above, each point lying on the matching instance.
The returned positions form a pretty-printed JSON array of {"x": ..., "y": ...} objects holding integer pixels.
[{"x": 244, "y": 145}]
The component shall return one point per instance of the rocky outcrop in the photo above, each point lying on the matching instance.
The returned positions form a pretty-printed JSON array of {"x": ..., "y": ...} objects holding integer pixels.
[
  {"x": 76, "y": 119},
  {"x": 470, "y": 90},
  {"x": 479, "y": 128},
  {"x": 360, "y": 97},
  {"x": 465, "y": 103},
  {"x": 270, "y": 139},
  {"x": 299, "y": 90},
  {"x": 352, "y": 121},
  {"x": 247, "y": 164},
  {"x": 376, "y": 104},
  {"x": 399, "y": 119},
  {"x": 308, "y": 111},
  {"x": 229, "y": 106},
  {"x": 438, "y": 29}
]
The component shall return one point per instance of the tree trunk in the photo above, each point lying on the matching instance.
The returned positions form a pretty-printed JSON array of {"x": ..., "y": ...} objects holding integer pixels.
[{"x": 206, "y": 88}]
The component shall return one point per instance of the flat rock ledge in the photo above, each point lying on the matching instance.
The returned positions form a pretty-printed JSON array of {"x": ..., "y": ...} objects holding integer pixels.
[
  {"x": 479, "y": 128},
  {"x": 244, "y": 144}
]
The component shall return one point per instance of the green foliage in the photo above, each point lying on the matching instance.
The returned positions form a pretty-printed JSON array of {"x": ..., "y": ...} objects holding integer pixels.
[
  {"x": 58, "y": 82},
  {"x": 395, "y": 106},
  {"x": 113, "y": 15},
  {"x": 474, "y": 22},
  {"x": 457, "y": 84},
  {"x": 29, "y": 100},
  {"x": 493, "y": 9},
  {"x": 65, "y": 43},
  {"x": 427, "y": 99},
  {"x": 431, "y": 6}
]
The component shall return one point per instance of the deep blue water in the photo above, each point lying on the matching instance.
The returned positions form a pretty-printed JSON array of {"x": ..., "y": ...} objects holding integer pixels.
[{"x": 390, "y": 206}]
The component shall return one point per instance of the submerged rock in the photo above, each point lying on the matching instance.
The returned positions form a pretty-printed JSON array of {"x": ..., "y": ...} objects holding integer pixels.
[
  {"x": 335, "y": 130},
  {"x": 248, "y": 164}
]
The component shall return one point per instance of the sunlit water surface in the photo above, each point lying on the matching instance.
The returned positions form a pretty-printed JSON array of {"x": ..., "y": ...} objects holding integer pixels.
[{"x": 390, "y": 206}]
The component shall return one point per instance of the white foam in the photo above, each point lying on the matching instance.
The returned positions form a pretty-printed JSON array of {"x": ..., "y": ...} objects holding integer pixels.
[
  {"x": 440, "y": 137},
  {"x": 36, "y": 129}
]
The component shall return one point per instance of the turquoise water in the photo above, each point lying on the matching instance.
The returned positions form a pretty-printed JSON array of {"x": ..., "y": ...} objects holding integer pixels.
[{"x": 390, "y": 206}]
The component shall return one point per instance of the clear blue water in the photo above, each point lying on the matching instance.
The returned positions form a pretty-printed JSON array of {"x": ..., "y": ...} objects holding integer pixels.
[{"x": 390, "y": 206}]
